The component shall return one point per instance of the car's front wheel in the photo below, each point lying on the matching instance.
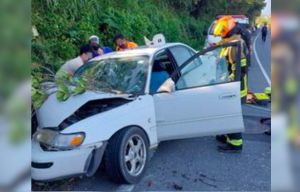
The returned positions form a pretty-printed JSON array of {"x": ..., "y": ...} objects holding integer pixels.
[{"x": 126, "y": 155}]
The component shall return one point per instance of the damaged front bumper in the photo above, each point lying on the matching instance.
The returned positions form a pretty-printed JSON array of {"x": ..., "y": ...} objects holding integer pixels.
[{"x": 53, "y": 165}]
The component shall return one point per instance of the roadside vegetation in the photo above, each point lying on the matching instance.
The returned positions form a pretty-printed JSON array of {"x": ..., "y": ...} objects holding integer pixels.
[
  {"x": 64, "y": 25},
  {"x": 60, "y": 27}
]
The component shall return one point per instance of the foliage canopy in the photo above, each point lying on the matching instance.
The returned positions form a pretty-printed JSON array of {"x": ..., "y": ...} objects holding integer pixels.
[{"x": 64, "y": 25}]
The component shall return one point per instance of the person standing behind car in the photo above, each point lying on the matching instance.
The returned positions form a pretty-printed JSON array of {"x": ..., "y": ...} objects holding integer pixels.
[
  {"x": 72, "y": 65},
  {"x": 97, "y": 50},
  {"x": 122, "y": 43},
  {"x": 264, "y": 32}
]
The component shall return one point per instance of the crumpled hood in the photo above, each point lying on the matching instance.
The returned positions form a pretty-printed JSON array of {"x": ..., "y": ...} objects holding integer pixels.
[{"x": 53, "y": 112}]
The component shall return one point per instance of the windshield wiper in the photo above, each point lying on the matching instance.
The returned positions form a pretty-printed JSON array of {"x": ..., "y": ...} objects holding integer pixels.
[
  {"x": 115, "y": 91},
  {"x": 109, "y": 89},
  {"x": 118, "y": 92}
]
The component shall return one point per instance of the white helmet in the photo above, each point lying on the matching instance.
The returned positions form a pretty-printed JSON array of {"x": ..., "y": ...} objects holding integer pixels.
[{"x": 94, "y": 38}]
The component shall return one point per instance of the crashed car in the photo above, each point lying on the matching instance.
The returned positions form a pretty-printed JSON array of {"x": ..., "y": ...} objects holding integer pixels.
[{"x": 135, "y": 99}]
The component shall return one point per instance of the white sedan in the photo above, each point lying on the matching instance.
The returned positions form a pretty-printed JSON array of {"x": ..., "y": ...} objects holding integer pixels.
[{"x": 134, "y": 100}]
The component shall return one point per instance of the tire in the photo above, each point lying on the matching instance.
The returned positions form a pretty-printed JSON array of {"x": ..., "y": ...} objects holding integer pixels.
[{"x": 126, "y": 155}]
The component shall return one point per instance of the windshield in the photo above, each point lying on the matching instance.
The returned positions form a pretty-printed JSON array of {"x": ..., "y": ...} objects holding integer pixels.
[{"x": 118, "y": 75}]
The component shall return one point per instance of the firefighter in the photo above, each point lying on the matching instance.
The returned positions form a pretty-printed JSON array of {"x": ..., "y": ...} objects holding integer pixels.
[{"x": 226, "y": 27}]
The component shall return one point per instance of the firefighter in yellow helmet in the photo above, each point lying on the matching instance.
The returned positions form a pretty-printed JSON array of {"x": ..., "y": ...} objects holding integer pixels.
[{"x": 228, "y": 29}]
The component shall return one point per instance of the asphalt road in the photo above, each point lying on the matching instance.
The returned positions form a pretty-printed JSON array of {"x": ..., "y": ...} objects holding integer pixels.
[
  {"x": 195, "y": 164},
  {"x": 261, "y": 57}
]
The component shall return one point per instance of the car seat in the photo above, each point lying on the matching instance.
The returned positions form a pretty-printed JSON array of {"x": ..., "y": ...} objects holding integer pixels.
[{"x": 158, "y": 77}]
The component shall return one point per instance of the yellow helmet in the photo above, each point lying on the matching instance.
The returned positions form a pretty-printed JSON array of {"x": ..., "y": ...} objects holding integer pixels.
[{"x": 223, "y": 26}]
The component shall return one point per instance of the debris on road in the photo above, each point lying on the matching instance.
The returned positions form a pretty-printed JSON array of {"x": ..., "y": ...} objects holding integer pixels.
[
  {"x": 149, "y": 183},
  {"x": 177, "y": 187}
]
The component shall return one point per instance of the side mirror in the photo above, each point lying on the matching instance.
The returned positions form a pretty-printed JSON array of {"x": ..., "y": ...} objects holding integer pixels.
[
  {"x": 167, "y": 87},
  {"x": 205, "y": 33}
]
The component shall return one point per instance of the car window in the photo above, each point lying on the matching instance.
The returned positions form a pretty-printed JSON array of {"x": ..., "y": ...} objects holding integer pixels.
[
  {"x": 181, "y": 54},
  {"x": 207, "y": 69}
]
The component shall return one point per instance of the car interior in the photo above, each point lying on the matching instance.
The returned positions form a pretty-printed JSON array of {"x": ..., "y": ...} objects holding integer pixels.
[{"x": 161, "y": 71}]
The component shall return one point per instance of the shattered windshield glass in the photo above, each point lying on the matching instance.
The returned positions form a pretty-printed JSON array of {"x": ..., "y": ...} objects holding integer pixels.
[{"x": 117, "y": 75}]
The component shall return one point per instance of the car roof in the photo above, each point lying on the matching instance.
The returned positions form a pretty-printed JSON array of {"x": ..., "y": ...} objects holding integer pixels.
[{"x": 141, "y": 50}]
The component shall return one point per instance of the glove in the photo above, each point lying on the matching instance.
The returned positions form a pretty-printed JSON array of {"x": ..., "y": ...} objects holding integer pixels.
[{"x": 231, "y": 77}]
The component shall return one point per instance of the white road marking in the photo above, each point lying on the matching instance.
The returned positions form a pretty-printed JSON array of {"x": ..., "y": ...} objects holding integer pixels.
[
  {"x": 125, "y": 188},
  {"x": 259, "y": 63}
]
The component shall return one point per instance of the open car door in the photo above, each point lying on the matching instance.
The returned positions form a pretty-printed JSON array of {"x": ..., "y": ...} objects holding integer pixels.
[{"x": 203, "y": 100}]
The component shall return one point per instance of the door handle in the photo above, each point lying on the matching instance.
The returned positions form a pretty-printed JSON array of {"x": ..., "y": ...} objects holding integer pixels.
[{"x": 227, "y": 96}]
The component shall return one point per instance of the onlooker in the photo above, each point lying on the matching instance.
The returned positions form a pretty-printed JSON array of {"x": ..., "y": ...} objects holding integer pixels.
[
  {"x": 72, "y": 65},
  {"x": 122, "y": 43},
  {"x": 264, "y": 32},
  {"x": 96, "y": 48}
]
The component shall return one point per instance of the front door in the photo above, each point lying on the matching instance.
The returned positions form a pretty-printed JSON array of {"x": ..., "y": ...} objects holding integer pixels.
[{"x": 204, "y": 100}]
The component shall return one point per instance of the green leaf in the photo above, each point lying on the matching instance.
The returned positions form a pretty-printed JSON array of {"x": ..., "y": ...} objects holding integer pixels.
[
  {"x": 78, "y": 90},
  {"x": 37, "y": 97},
  {"x": 62, "y": 93}
]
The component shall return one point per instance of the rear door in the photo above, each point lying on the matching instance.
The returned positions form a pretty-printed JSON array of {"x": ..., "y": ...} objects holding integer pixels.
[{"x": 205, "y": 101}]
